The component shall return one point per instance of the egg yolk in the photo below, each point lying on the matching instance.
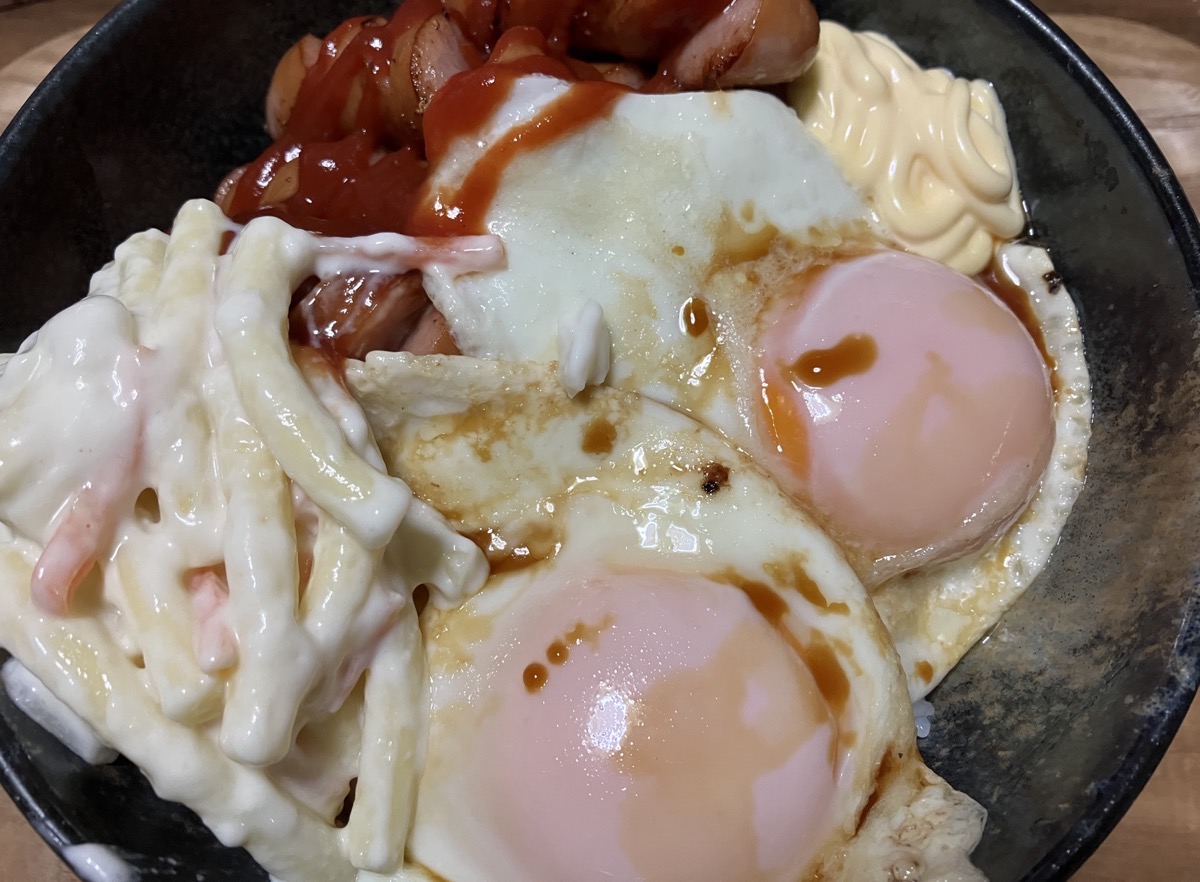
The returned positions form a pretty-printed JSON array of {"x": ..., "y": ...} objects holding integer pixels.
[
  {"x": 655, "y": 727},
  {"x": 907, "y": 406}
]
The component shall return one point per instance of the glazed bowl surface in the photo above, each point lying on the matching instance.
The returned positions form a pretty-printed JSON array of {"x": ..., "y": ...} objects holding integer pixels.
[{"x": 1054, "y": 722}]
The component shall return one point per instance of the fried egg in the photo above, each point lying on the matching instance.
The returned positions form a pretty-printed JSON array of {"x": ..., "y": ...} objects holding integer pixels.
[
  {"x": 671, "y": 673},
  {"x": 740, "y": 280},
  {"x": 936, "y": 614}
]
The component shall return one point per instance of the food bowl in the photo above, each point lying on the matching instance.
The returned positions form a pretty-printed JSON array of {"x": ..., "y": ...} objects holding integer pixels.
[{"x": 1054, "y": 722}]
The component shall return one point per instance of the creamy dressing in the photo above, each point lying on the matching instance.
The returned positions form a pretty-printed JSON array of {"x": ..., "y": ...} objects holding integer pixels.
[
  {"x": 42, "y": 706},
  {"x": 208, "y": 560},
  {"x": 98, "y": 863},
  {"x": 584, "y": 348}
]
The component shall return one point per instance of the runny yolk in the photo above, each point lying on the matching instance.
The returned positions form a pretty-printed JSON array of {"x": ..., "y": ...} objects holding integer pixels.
[
  {"x": 907, "y": 407},
  {"x": 683, "y": 739}
]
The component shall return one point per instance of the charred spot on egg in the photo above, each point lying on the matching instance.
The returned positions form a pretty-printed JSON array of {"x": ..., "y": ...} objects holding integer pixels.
[
  {"x": 716, "y": 477},
  {"x": 680, "y": 691}
]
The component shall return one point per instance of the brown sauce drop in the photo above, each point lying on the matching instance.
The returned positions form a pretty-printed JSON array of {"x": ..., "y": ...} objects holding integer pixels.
[
  {"x": 819, "y": 368},
  {"x": 1017, "y": 300},
  {"x": 537, "y": 542},
  {"x": 535, "y": 677},
  {"x": 599, "y": 436},
  {"x": 925, "y": 671},
  {"x": 888, "y": 766},
  {"x": 762, "y": 597},
  {"x": 736, "y": 245},
  {"x": 769, "y": 604},
  {"x": 589, "y": 634},
  {"x": 678, "y": 250},
  {"x": 793, "y": 572},
  {"x": 693, "y": 317},
  {"x": 788, "y": 426},
  {"x": 827, "y": 671},
  {"x": 716, "y": 477},
  {"x": 557, "y": 653}
]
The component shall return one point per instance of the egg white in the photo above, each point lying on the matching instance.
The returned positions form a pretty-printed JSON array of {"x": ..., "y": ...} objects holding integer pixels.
[
  {"x": 668, "y": 198},
  {"x": 614, "y": 480},
  {"x": 726, "y": 199}
]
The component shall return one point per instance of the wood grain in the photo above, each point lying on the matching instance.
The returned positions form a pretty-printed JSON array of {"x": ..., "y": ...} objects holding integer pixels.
[
  {"x": 30, "y": 25},
  {"x": 1159, "y": 75},
  {"x": 21, "y": 77},
  {"x": 1151, "y": 51},
  {"x": 1178, "y": 17}
]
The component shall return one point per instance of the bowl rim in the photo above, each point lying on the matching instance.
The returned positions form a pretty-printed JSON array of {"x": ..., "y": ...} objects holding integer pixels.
[
  {"x": 1178, "y": 691},
  {"x": 1176, "y": 694}
]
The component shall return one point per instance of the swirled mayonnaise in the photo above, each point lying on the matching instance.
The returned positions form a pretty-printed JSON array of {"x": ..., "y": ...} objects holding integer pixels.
[{"x": 930, "y": 151}]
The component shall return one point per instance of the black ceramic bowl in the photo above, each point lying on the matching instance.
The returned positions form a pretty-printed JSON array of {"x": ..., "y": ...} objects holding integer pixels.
[{"x": 1054, "y": 728}]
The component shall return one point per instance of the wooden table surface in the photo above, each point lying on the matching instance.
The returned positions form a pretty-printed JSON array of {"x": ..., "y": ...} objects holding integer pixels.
[{"x": 1150, "y": 49}]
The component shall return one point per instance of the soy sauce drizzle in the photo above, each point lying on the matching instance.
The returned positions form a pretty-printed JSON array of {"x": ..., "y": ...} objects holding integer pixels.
[
  {"x": 535, "y": 676},
  {"x": 820, "y": 368}
]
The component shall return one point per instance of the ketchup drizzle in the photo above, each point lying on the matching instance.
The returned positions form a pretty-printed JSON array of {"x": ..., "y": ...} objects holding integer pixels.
[
  {"x": 462, "y": 211},
  {"x": 375, "y": 113},
  {"x": 355, "y": 173}
]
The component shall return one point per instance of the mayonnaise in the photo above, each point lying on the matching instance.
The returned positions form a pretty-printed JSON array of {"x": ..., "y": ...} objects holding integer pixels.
[
  {"x": 584, "y": 348},
  {"x": 930, "y": 151},
  {"x": 98, "y": 863},
  {"x": 48, "y": 711}
]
